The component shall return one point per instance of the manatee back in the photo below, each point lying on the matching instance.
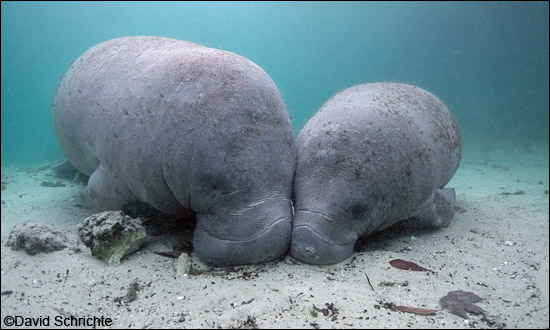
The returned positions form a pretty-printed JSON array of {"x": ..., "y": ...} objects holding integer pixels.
[{"x": 156, "y": 111}]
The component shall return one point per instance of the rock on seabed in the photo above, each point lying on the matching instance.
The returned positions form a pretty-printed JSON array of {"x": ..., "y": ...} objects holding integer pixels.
[
  {"x": 36, "y": 237},
  {"x": 112, "y": 235}
]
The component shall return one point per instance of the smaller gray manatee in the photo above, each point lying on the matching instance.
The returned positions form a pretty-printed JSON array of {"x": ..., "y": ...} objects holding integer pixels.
[{"x": 374, "y": 154}]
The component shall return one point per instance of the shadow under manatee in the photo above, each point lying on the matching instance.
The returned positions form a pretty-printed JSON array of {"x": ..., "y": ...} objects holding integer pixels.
[
  {"x": 158, "y": 223},
  {"x": 396, "y": 237},
  {"x": 401, "y": 235},
  {"x": 177, "y": 228}
]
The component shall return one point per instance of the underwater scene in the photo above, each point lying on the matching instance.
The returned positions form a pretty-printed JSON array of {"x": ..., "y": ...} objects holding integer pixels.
[{"x": 274, "y": 164}]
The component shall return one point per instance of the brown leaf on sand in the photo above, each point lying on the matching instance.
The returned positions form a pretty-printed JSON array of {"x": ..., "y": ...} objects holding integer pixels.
[
  {"x": 414, "y": 310},
  {"x": 407, "y": 265}
]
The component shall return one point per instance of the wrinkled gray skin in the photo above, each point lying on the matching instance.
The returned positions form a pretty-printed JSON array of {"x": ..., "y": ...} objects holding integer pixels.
[
  {"x": 177, "y": 125},
  {"x": 373, "y": 155}
]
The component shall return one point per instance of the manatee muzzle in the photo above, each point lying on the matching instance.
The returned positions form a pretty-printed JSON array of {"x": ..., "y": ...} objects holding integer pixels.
[{"x": 311, "y": 247}]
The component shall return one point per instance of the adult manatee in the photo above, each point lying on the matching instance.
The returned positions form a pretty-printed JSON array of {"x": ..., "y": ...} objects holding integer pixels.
[
  {"x": 373, "y": 155},
  {"x": 181, "y": 126}
]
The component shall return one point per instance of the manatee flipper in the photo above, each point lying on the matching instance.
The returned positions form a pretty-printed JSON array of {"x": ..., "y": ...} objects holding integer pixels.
[
  {"x": 439, "y": 209},
  {"x": 105, "y": 191}
]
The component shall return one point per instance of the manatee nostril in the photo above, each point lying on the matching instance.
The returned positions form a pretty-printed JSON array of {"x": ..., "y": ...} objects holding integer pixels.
[
  {"x": 306, "y": 251},
  {"x": 309, "y": 251}
]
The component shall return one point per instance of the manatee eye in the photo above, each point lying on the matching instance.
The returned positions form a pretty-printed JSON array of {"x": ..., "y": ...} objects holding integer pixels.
[
  {"x": 357, "y": 210},
  {"x": 216, "y": 184},
  {"x": 213, "y": 182}
]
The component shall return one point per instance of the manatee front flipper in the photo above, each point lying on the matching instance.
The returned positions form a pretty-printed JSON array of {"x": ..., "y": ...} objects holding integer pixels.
[
  {"x": 439, "y": 209},
  {"x": 105, "y": 191}
]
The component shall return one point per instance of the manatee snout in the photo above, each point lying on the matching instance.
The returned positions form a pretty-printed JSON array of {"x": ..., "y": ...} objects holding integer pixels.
[
  {"x": 267, "y": 246},
  {"x": 264, "y": 233},
  {"x": 313, "y": 247}
]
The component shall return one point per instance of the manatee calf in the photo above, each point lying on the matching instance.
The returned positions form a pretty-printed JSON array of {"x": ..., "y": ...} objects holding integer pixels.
[
  {"x": 181, "y": 126},
  {"x": 373, "y": 155}
]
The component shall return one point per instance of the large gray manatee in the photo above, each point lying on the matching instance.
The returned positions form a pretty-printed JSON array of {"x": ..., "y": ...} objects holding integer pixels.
[
  {"x": 373, "y": 155},
  {"x": 181, "y": 126}
]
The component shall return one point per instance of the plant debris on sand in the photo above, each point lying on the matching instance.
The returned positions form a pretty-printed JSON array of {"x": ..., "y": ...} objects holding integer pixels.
[{"x": 459, "y": 302}]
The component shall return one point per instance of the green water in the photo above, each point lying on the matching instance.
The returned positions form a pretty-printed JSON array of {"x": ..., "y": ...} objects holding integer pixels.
[{"x": 487, "y": 61}]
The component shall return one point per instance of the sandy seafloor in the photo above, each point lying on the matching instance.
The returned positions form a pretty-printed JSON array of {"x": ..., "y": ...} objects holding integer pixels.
[{"x": 496, "y": 247}]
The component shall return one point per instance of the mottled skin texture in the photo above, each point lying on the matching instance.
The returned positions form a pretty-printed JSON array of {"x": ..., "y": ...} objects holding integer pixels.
[
  {"x": 373, "y": 155},
  {"x": 177, "y": 125}
]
